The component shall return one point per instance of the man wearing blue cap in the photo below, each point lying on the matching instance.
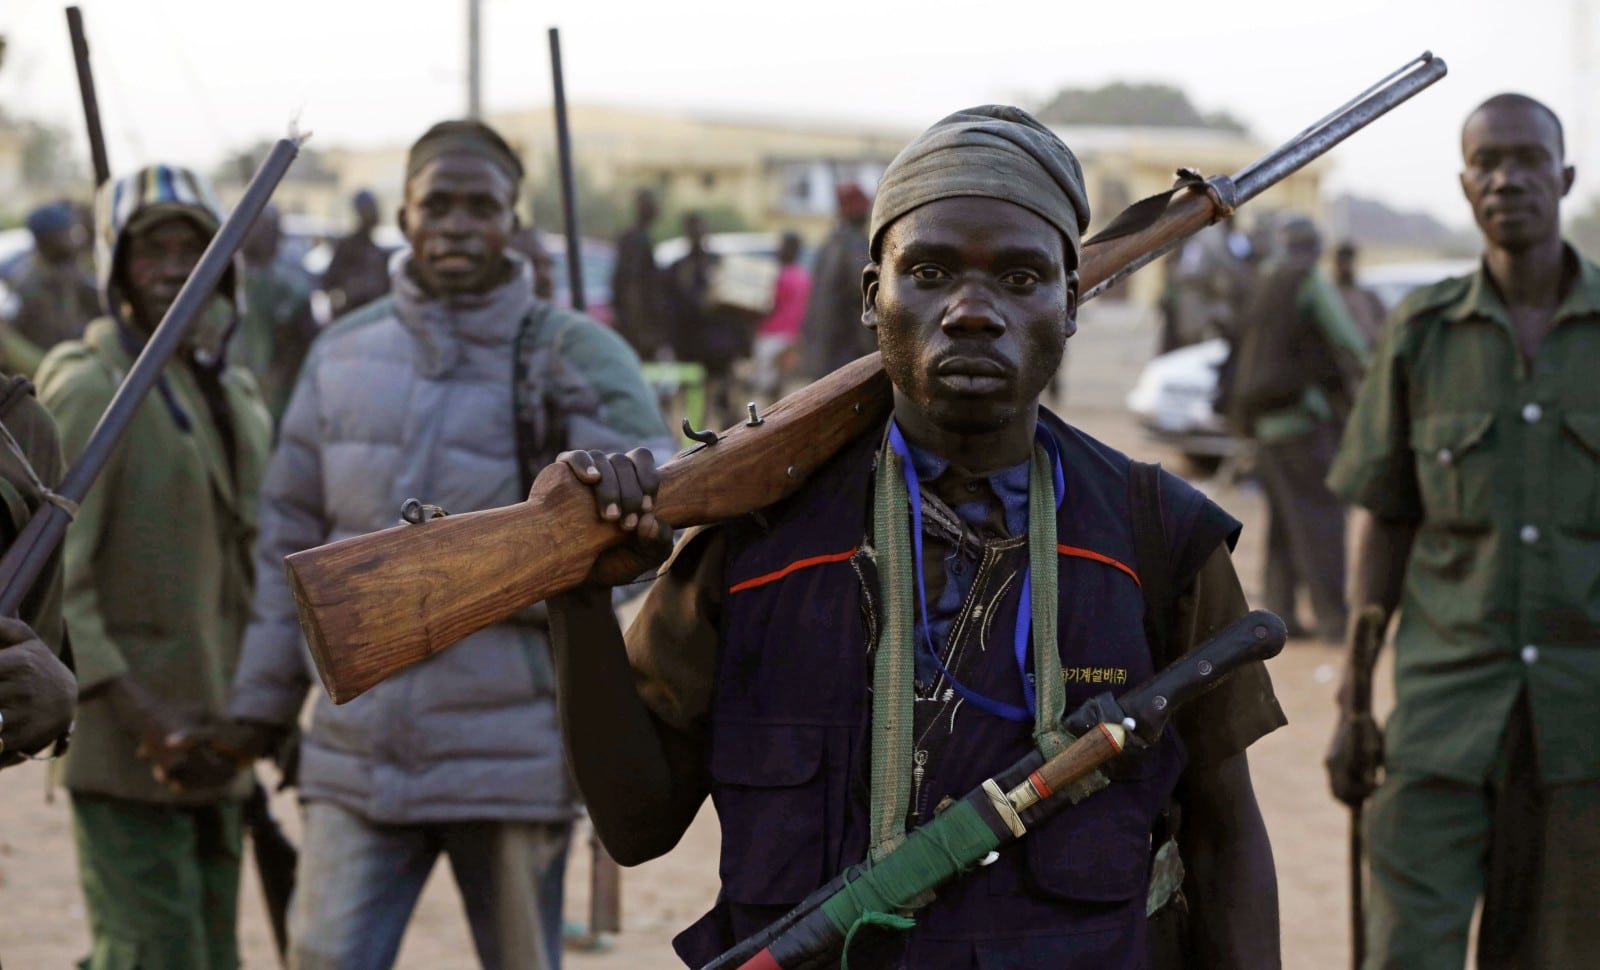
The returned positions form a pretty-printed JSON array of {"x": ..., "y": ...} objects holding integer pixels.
[
  {"x": 833, "y": 669},
  {"x": 53, "y": 299}
]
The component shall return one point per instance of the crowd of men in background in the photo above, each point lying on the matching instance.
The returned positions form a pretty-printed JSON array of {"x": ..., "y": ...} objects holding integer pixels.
[{"x": 188, "y": 657}]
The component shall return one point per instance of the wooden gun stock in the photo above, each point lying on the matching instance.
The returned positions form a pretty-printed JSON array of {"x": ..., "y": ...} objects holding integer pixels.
[{"x": 373, "y": 605}]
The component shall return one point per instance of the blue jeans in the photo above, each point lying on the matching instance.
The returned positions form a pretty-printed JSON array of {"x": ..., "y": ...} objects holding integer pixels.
[{"x": 358, "y": 882}]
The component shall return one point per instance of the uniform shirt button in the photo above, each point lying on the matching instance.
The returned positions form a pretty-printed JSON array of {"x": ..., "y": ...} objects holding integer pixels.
[
  {"x": 1446, "y": 456},
  {"x": 1530, "y": 654},
  {"x": 1532, "y": 412},
  {"x": 1529, "y": 534}
]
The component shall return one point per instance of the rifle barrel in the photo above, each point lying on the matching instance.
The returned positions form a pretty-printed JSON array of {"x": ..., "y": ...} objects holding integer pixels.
[
  {"x": 91, "y": 103},
  {"x": 569, "y": 190},
  {"x": 1299, "y": 151},
  {"x": 27, "y": 556}
]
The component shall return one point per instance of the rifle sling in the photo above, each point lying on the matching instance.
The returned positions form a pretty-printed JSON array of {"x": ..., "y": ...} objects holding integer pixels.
[{"x": 1146, "y": 212}]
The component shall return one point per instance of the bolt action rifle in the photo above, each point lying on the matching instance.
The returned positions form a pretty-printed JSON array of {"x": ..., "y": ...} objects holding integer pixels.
[{"x": 373, "y": 605}]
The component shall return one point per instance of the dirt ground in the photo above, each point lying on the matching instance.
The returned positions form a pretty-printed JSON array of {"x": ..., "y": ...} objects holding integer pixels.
[{"x": 45, "y": 926}]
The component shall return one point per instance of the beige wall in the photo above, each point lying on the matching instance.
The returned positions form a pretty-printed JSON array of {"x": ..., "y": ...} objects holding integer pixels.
[{"x": 751, "y": 165}]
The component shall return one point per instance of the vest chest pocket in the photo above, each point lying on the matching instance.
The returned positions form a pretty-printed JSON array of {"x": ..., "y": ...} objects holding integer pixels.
[
  {"x": 771, "y": 797},
  {"x": 1455, "y": 471},
  {"x": 1577, "y": 481}
]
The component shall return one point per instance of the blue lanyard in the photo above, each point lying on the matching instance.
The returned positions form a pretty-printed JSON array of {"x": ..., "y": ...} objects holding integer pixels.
[{"x": 1024, "y": 626}]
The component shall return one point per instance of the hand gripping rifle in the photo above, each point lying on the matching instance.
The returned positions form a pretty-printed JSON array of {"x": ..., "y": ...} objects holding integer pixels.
[
  {"x": 373, "y": 605},
  {"x": 999, "y": 811}
]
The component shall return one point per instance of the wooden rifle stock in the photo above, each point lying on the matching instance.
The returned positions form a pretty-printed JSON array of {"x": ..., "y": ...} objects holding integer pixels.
[{"x": 373, "y": 605}]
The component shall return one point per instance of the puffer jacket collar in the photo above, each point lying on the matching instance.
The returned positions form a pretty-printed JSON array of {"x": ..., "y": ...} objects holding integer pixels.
[{"x": 443, "y": 328}]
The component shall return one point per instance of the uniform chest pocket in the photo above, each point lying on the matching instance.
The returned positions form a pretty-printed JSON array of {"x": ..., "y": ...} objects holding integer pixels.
[
  {"x": 1577, "y": 481},
  {"x": 771, "y": 797},
  {"x": 1455, "y": 471}
]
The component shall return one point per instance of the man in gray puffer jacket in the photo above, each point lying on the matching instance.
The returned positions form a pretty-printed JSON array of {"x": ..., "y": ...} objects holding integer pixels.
[{"x": 452, "y": 391}]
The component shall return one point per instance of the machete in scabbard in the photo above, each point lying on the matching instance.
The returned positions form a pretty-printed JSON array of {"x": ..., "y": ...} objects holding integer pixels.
[{"x": 998, "y": 812}]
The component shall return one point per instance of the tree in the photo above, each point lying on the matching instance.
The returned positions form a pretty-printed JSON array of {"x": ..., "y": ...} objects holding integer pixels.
[{"x": 1124, "y": 103}]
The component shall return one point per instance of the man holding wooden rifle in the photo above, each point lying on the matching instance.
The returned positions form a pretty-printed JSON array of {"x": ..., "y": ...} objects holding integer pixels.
[
  {"x": 1475, "y": 444},
  {"x": 158, "y": 579},
  {"x": 456, "y": 390},
  {"x": 831, "y": 669}
]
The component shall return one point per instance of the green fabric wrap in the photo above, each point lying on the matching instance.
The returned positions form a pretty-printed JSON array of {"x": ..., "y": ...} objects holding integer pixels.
[
  {"x": 956, "y": 839},
  {"x": 894, "y": 666}
]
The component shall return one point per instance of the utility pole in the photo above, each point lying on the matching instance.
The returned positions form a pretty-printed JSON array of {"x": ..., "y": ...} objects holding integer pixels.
[
  {"x": 1585, "y": 77},
  {"x": 474, "y": 60}
]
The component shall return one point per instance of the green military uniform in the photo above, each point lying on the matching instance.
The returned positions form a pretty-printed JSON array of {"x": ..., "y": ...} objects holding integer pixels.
[
  {"x": 1295, "y": 446},
  {"x": 158, "y": 584},
  {"x": 1318, "y": 303},
  {"x": 1497, "y": 657}
]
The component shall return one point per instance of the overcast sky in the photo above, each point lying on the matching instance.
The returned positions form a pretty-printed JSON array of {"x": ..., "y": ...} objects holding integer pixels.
[{"x": 187, "y": 80}]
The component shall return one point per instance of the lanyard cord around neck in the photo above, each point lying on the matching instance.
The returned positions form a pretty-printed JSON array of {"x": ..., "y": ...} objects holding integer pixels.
[
  {"x": 897, "y": 511},
  {"x": 1024, "y": 622}
]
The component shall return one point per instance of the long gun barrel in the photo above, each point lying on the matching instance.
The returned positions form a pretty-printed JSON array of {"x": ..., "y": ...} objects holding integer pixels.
[
  {"x": 91, "y": 102},
  {"x": 373, "y": 605},
  {"x": 28, "y": 555},
  {"x": 569, "y": 186}
]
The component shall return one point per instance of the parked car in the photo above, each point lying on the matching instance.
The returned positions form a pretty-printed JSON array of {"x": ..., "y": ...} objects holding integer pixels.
[
  {"x": 1174, "y": 400},
  {"x": 1174, "y": 396}
]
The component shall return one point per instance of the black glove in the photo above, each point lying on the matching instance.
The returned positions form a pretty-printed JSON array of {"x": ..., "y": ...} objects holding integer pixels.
[{"x": 1354, "y": 758}]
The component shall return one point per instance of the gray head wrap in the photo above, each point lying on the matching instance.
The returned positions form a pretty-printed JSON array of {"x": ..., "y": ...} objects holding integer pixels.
[{"x": 995, "y": 151}]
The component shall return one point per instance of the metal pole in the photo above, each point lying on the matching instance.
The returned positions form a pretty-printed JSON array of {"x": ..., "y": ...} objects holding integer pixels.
[
  {"x": 91, "y": 103},
  {"x": 569, "y": 191},
  {"x": 27, "y": 556},
  {"x": 474, "y": 59}
]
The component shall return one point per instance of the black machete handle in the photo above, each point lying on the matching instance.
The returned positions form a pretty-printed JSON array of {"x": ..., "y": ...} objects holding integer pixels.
[{"x": 1258, "y": 635}]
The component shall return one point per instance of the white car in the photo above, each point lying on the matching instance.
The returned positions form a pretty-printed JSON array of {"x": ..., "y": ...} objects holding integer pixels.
[{"x": 1174, "y": 401}]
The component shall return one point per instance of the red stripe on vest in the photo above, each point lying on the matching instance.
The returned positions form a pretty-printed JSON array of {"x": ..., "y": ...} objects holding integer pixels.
[
  {"x": 793, "y": 567},
  {"x": 1100, "y": 557},
  {"x": 761, "y": 961}
]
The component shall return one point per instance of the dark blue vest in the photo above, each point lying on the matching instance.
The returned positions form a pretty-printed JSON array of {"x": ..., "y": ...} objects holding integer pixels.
[{"x": 790, "y": 759}]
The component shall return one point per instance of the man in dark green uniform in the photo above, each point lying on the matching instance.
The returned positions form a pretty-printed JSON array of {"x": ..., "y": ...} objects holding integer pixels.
[
  {"x": 1297, "y": 350},
  {"x": 1475, "y": 445}
]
